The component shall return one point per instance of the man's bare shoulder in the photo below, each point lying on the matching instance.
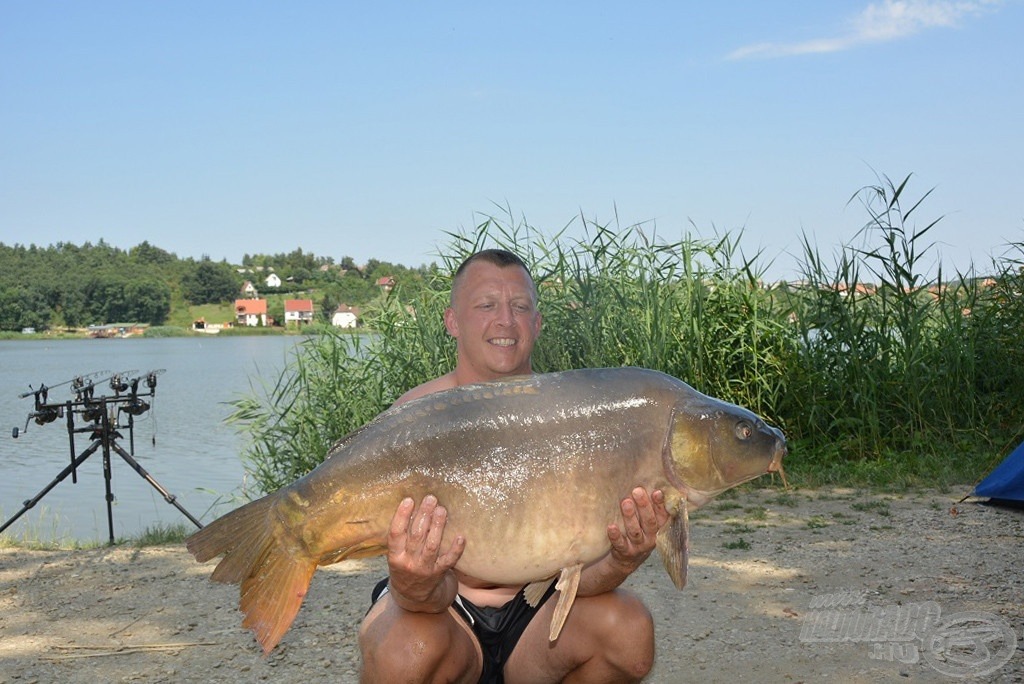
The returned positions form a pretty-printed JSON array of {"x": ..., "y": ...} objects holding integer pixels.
[{"x": 445, "y": 382}]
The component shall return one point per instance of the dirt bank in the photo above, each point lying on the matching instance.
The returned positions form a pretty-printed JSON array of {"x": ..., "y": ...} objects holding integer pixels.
[{"x": 783, "y": 587}]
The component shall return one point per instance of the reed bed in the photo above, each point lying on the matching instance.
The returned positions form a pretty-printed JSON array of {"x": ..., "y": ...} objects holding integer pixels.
[{"x": 879, "y": 373}]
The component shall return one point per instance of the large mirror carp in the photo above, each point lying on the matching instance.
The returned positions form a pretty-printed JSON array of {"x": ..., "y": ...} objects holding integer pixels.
[{"x": 531, "y": 471}]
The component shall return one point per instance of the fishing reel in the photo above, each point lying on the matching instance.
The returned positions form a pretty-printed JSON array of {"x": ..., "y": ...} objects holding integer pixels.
[
  {"x": 47, "y": 415},
  {"x": 136, "y": 406},
  {"x": 120, "y": 383},
  {"x": 44, "y": 413},
  {"x": 41, "y": 417},
  {"x": 92, "y": 410},
  {"x": 127, "y": 397}
]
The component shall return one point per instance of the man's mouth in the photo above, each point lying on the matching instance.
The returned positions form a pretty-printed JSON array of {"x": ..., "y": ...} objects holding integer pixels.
[{"x": 503, "y": 342}]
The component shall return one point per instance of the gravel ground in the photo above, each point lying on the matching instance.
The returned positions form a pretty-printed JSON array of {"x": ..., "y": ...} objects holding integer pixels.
[{"x": 795, "y": 586}]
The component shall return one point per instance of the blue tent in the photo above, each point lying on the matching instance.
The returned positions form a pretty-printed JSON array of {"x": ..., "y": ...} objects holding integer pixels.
[{"x": 1006, "y": 481}]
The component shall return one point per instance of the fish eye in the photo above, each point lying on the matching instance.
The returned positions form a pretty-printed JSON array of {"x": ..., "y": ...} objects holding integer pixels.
[{"x": 744, "y": 430}]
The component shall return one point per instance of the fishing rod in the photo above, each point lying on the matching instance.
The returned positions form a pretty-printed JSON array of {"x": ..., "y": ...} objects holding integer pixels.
[{"x": 103, "y": 417}]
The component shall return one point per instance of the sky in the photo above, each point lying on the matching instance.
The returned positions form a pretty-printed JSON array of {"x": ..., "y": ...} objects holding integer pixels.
[{"x": 375, "y": 130}]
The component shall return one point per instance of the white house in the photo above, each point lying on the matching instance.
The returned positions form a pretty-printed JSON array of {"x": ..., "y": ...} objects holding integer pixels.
[
  {"x": 272, "y": 280},
  {"x": 345, "y": 317},
  {"x": 249, "y": 290}
]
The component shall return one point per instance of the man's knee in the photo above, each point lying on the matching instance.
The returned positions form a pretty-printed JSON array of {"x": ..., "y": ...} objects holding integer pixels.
[
  {"x": 625, "y": 630},
  {"x": 415, "y": 647},
  {"x": 621, "y": 612}
]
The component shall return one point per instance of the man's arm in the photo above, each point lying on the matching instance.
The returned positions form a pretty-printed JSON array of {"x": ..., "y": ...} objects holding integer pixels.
[{"x": 643, "y": 515}]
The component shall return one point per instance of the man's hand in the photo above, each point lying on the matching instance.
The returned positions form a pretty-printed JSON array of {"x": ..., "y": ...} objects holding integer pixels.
[
  {"x": 642, "y": 517},
  {"x": 421, "y": 575}
]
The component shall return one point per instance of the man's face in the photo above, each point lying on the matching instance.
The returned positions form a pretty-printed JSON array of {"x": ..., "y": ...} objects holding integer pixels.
[{"x": 495, "y": 321}]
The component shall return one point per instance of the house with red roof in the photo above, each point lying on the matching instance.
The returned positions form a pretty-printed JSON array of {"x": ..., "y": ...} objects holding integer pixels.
[
  {"x": 298, "y": 311},
  {"x": 251, "y": 312}
]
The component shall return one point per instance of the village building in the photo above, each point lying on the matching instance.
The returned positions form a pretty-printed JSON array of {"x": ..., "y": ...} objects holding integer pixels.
[
  {"x": 345, "y": 316},
  {"x": 298, "y": 311},
  {"x": 251, "y": 312}
]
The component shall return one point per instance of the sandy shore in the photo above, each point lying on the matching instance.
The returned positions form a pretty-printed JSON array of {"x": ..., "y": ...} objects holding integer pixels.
[{"x": 799, "y": 586}]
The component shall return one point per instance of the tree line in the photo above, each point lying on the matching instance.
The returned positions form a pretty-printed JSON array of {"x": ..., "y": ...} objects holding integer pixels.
[{"x": 65, "y": 285}]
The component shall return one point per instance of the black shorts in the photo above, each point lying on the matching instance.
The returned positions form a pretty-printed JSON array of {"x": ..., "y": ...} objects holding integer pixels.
[{"x": 497, "y": 629}]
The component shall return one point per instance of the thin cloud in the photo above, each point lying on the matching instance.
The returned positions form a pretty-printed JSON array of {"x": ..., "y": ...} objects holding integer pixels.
[{"x": 885, "y": 21}]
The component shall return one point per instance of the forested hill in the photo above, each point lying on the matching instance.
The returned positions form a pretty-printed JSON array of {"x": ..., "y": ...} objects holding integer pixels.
[{"x": 72, "y": 286}]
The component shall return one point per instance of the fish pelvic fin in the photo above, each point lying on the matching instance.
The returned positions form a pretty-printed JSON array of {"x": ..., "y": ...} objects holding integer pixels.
[
  {"x": 535, "y": 591},
  {"x": 273, "y": 594},
  {"x": 674, "y": 544},
  {"x": 568, "y": 583}
]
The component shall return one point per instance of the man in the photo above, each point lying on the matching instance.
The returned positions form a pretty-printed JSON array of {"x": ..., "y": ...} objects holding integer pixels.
[{"x": 431, "y": 623}]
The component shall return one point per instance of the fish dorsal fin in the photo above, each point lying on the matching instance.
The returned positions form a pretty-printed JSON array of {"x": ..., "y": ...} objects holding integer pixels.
[
  {"x": 535, "y": 591},
  {"x": 568, "y": 583},
  {"x": 674, "y": 544}
]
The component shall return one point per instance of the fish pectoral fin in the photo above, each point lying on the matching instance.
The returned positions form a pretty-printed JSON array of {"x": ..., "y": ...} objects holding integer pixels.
[
  {"x": 535, "y": 591},
  {"x": 674, "y": 545},
  {"x": 568, "y": 583}
]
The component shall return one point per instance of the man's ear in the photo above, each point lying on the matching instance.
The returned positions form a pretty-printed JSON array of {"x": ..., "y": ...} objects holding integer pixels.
[{"x": 450, "y": 323}]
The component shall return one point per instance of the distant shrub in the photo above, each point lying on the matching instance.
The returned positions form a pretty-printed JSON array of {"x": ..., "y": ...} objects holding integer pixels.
[{"x": 167, "y": 331}]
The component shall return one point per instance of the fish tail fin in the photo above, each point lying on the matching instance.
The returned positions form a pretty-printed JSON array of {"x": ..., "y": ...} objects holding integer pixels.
[
  {"x": 242, "y": 536},
  {"x": 274, "y": 580}
]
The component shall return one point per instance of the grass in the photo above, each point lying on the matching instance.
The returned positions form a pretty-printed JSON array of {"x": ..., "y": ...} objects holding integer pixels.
[
  {"x": 756, "y": 513},
  {"x": 878, "y": 507},
  {"x": 785, "y": 499},
  {"x": 162, "y": 534},
  {"x": 33, "y": 538},
  {"x": 843, "y": 518},
  {"x": 817, "y": 522}
]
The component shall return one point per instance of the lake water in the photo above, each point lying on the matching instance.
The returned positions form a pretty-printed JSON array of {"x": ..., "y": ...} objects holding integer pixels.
[{"x": 182, "y": 441}]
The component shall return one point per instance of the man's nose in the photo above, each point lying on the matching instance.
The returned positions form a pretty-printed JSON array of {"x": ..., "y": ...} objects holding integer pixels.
[{"x": 505, "y": 315}]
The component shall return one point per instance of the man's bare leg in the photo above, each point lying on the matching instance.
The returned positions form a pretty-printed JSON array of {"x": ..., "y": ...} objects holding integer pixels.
[
  {"x": 399, "y": 646},
  {"x": 607, "y": 638}
]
